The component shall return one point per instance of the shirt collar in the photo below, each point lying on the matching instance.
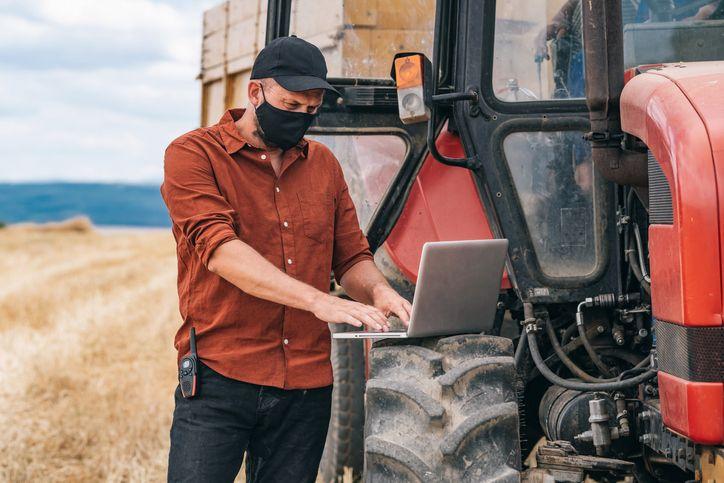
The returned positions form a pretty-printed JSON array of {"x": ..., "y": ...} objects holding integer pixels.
[
  {"x": 234, "y": 142},
  {"x": 230, "y": 136}
]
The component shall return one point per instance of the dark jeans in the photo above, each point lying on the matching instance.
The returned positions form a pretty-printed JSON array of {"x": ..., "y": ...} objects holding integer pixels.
[{"x": 281, "y": 431}]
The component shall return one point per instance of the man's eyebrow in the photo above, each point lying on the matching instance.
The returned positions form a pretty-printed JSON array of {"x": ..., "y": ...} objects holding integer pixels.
[{"x": 294, "y": 101}]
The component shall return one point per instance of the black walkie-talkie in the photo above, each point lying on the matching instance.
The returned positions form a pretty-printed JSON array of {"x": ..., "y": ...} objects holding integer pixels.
[{"x": 188, "y": 369}]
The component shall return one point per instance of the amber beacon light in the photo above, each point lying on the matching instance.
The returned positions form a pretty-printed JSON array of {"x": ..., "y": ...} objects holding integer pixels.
[{"x": 409, "y": 74}]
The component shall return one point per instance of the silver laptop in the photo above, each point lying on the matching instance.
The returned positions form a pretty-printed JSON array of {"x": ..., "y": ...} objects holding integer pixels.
[{"x": 457, "y": 290}]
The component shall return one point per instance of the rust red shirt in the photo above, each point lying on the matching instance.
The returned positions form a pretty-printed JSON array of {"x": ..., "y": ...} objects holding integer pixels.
[{"x": 219, "y": 188}]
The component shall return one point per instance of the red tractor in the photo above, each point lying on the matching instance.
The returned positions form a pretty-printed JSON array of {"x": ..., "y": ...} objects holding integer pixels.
[{"x": 597, "y": 152}]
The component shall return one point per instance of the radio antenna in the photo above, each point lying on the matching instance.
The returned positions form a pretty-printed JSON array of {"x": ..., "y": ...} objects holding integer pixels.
[{"x": 192, "y": 341}]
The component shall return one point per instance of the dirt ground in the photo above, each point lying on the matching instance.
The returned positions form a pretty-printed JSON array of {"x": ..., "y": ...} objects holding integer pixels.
[{"x": 87, "y": 362}]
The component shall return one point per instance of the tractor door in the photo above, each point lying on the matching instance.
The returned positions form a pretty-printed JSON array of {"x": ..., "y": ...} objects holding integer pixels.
[
  {"x": 380, "y": 156},
  {"x": 525, "y": 59}
]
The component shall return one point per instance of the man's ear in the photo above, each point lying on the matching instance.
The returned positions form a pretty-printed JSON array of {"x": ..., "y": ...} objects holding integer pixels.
[{"x": 254, "y": 93}]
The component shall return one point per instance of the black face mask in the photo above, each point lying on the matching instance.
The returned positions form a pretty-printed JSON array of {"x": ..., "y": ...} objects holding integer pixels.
[{"x": 279, "y": 127}]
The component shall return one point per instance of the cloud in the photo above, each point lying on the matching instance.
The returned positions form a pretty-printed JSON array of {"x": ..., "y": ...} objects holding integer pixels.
[
  {"x": 95, "y": 90},
  {"x": 86, "y": 34}
]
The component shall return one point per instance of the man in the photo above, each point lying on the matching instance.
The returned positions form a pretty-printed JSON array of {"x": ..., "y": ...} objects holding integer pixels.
[
  {"x": 261, "y": 217},
  {"x": 567, "y": 49}
]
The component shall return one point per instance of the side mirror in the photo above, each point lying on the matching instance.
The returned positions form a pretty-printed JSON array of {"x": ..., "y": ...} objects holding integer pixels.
[{"x": 412, "y": 73}]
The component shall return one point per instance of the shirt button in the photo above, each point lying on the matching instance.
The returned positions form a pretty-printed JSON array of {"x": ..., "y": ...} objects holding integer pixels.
[
  {"x": 286, "y": 341},
  {"x": 277, "y": 188},
  {"x": 285, "y": 224},
  {"x": 289, "y": 261},
  {"x": 263, "y": 156}
]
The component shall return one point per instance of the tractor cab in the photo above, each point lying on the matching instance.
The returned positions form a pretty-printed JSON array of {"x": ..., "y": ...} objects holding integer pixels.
[{"x": 589, "y": 135}]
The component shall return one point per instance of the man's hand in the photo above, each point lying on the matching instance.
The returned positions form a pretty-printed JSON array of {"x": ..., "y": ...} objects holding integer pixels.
[
  {"x": 365, "y": 282},
  {"x": 337, "y": 310},
  {"x": 388, "y": 301}
]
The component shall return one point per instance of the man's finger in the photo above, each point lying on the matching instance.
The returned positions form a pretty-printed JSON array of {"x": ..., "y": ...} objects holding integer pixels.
[
  {"x": 379, "y": 316},
  {"x": 368, "y": 320},
  {"x": 403, "y": 314},
  {"x": 352, "y": 321},
  {"x": 385, "y": 322},
  {"x": 374, "y": 309},
  {"x": 375, "y": 313}
]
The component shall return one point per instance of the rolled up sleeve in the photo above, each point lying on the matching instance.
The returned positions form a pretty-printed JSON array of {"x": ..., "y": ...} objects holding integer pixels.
[
  {"x": 194, "y": 202},
  {"x": 350, "y": 243}
]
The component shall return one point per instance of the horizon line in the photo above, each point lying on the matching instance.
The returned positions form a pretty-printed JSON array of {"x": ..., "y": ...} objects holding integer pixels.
[{"x": 70, "y": 181}]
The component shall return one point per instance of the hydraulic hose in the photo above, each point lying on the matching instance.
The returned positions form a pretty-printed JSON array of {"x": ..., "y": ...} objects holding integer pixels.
[
  {"x": 577, "y": 371},
  {"x": 587, "y": 344},
  {"x": 640, "y": 250},
  {"x": 633, "y": 263},
  {"x": 567, "y": 349},
  {"x": 629, "y": 251},
  {"x": 523, "y": 342},
  {"x": 621, "y": 355},
  {"x": 568, "y": 333},
  {"x": 520, "y": 350},
  {"x": 582, "y": 386},
  {"x": 637, "y": 368}
]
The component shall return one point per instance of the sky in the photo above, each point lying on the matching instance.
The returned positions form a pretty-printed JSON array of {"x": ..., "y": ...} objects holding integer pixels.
[{"x": 94, "y": 90}]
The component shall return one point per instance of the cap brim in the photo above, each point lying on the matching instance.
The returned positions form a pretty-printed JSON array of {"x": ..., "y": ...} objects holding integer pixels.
[{"x": 298, "y": 83}]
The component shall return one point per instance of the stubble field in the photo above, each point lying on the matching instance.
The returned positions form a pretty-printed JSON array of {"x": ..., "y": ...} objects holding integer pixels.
[{"x": 86, "y": 354}]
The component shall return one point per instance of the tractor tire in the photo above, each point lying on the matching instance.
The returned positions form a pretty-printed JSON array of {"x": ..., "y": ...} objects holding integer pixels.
[
  {"x": 343, "y": 450},
  {"x": 442, "y": 410}
]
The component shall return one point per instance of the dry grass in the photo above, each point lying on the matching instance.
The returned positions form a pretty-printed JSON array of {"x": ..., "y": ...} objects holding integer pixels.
[
  {"x": 87, "y": 362},
  {"x": 80, "y": 224},
  {"x": 86, "y": 354}
]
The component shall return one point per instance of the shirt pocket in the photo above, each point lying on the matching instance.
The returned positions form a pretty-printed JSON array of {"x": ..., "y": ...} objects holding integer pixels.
[{"x": 317, "y": 215}]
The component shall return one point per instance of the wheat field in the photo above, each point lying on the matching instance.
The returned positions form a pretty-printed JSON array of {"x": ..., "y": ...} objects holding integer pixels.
[
  {"x": 87, "y": 362},
  {"x": 86, "y": 356}
]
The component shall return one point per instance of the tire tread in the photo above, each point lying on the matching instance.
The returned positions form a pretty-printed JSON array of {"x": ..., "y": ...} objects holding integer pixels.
[{"x": 465, "y": 385}]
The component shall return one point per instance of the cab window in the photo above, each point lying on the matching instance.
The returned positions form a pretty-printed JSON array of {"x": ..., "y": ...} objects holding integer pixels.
[
  {"x": 557, "y": 189},
  {"x": 538, "y": 50},
  {"x": 538, "y": 44},
  {"x": 370, "y": 163}
]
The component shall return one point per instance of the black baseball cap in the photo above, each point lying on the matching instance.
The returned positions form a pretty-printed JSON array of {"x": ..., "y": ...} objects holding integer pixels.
[{"x": 294, "y": 63}]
